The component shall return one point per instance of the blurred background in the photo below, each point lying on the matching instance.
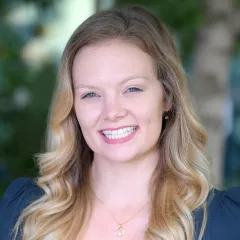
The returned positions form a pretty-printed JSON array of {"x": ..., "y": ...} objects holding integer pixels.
[{"x": 33, "y": 34}]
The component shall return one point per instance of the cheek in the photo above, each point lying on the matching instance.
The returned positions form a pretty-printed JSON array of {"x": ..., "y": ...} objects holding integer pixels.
[
  {"x": 153, "y": 119},
  {"x": 87, "y": 116},
  {"x": 87, "y": 123},
  {"x": 153, "y": 123},
  {"x": 151, "y": 111}
]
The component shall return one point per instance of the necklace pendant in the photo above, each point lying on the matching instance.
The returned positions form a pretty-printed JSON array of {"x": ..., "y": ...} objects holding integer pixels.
[{"x": 119, "y": 231}]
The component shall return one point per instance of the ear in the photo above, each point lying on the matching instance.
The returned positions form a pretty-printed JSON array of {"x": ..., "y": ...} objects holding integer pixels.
[{"x": 167, "y": 107}]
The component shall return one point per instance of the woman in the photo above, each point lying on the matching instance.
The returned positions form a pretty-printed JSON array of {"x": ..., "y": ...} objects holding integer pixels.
[{"x": 125, "y": 151}]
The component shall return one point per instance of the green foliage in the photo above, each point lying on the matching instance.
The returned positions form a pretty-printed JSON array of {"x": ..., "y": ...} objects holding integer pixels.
[
  {"x": 6, "y": 5},
  {"x": 25, "y": 95},
  {"x": 28, "y": 125}
]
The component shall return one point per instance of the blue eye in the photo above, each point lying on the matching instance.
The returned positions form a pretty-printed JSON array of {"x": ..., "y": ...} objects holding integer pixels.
[
  {"x": 134, "y": 89},
  {"x": 90, "y": 95}
]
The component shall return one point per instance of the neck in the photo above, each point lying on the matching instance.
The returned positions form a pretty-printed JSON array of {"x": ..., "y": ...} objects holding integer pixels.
[{"x": 119, "y": 184}]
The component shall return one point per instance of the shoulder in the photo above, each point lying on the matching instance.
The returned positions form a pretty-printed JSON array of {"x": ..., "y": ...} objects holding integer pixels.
[
  {"x": 20, "y": 193},
  {"x": 224, "y": 214}
]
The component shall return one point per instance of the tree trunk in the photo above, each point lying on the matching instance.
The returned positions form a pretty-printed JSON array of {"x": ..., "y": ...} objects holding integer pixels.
[{"x": 210, "y": 75}]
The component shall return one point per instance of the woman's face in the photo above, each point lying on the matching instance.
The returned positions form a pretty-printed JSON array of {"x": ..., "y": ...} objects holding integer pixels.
[{"x": 118, "y": 100}]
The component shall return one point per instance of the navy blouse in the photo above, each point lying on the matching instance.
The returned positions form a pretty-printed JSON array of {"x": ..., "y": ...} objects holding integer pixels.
[{"x": 223, "y": 210}]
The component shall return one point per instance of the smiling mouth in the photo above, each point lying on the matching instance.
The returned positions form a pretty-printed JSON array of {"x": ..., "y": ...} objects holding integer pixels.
[{"x": 120, "y": 133}]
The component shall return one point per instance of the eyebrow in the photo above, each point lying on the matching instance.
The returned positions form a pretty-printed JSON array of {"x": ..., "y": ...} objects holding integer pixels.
[{"x": 121, "y": 83}]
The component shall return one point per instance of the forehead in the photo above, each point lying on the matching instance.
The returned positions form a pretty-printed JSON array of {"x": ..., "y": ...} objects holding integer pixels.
[{"x": 111, "y": 60}]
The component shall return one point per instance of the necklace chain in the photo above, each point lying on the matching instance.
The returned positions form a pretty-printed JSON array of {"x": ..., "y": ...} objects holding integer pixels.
[{"x": 120, "y": 230}]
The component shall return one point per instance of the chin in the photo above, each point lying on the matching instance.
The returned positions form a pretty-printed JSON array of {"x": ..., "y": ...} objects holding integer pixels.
[{"x": 121, "y": 156}]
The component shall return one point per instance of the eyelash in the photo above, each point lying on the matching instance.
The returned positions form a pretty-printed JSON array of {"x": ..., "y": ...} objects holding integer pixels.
[
  {"x": 90, "y": 94},
  {"x": 135, "y": 88}
]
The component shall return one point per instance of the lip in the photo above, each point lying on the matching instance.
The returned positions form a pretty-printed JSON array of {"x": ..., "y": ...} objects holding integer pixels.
[
  {"x": 118, "y": 141},
  {"x": 112, "y": 129}
]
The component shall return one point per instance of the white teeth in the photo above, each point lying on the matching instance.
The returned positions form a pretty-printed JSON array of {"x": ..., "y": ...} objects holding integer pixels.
[{"x": 120, "y": 133}]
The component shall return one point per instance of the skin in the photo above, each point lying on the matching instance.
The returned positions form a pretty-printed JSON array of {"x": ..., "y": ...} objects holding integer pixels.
[{"x": 123, "y": 91}]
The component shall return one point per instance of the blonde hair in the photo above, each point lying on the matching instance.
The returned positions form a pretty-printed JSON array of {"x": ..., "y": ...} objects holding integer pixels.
[{"x": 181, "y": 179}]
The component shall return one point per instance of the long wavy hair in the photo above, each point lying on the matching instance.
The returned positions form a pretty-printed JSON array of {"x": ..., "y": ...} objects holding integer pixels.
[{"x": 181, "y": 181}]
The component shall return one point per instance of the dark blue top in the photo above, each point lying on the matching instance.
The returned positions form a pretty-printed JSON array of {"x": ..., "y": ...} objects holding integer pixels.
[{"x": 223, "y": 210}]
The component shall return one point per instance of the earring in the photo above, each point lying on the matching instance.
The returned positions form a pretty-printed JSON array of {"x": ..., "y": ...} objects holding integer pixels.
[{"x": 165, "y": 115}]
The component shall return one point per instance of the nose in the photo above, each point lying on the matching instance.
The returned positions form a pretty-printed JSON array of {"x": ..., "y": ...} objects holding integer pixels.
[{"x": 113, "y": 109}]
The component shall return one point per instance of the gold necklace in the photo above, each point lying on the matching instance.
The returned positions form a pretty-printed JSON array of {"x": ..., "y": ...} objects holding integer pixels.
[{"x": 119, "y": 231}]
